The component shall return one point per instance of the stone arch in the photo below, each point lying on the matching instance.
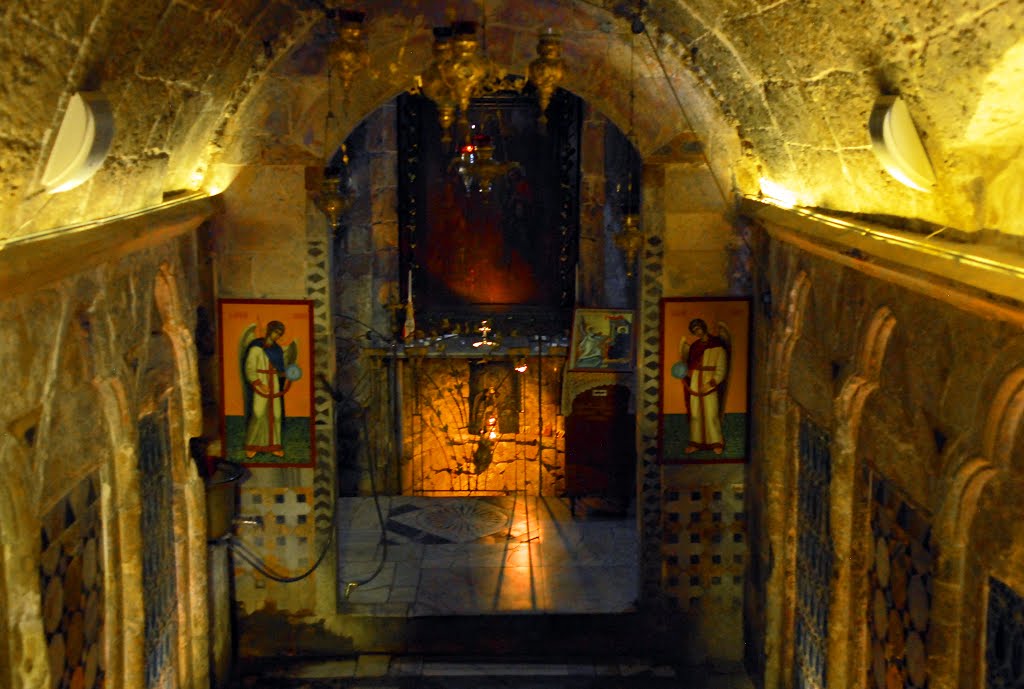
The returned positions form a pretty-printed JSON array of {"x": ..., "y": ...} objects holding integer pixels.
[
  {"x": 123, "y": 408},
  {"x": 960, "y": 495},
  {"x": 849, "y": 513},
  {"x": 995, "y": 133},
  {"x": 23, "y": 643},
  {"x": 1003, "y": 423},
  {"x": 780, "y": 478},
  {"x": 597, "y": 51},
  {"x": 185, "y": 423},
  {"x": 168, "y": 302},
  {"x": 650, "y": 139},
  {"x": 962, "y": 578},
  {"x": 121, "y": 508},
  {"x": 794, "y": 310}
]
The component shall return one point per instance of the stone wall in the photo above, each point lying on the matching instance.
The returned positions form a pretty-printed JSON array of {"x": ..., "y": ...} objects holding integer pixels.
[
  {"x": 449, "y": 446},
  {"x": 795, "y": 116},
  {"x": 271, "y": 243},
  {"x": 921, "y": 399},
  {"x": 692, "y": 250},
  {"x": 90, "y": 355}
]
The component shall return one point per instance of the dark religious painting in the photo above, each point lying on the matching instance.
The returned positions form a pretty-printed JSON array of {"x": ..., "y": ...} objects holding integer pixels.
[
  {"x": 507, "y": 255},
  {"x": 602, "y": 340}
]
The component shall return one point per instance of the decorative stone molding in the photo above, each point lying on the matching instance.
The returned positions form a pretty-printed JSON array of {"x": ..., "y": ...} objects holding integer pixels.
[
  {"x": 780, "y": 469},
  {"x": 961, "y": 492},
  {"x": 125, "y": 661},
  {"x": 847, "y": 652},
  {"x": 1003, "y": 423},
  {"x": 190, "y": 498},
  {"x": 780, "y": 354},
  {"x": 649, "y": 493},
  {"x": 175, "y": 326}
]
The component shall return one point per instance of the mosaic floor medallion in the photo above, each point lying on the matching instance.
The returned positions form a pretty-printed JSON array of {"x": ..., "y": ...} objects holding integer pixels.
[{"x": 454, "y": 520}]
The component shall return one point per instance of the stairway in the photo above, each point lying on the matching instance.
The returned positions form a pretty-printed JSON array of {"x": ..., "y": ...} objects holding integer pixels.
[{"x": 379, "y": 671}]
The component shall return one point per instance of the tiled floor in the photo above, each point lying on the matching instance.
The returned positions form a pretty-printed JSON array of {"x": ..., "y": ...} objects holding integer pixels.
[{"x": 483, "y": 555}]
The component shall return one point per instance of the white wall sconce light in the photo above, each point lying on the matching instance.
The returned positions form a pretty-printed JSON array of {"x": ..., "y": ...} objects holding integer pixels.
[
  {"x": 897, "y": 144},
  {"x": 82, "y": 142}
]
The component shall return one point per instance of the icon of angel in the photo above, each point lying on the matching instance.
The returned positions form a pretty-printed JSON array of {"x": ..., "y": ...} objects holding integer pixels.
[
  {"x": 703, "y": 368},
  {"x": 268, "y": 371}
]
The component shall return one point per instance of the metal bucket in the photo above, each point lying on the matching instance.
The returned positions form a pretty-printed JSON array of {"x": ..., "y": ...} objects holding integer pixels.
[{"x": 222, "y": 498}]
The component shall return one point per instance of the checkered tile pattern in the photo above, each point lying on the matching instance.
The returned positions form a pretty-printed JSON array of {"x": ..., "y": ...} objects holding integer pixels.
[
  {"x": 705, "y": 547},
  {"x": 284, "y": 542}
]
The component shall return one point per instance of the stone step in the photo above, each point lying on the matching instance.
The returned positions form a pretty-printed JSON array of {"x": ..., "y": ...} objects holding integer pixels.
[{"x": 380, "y": 671}]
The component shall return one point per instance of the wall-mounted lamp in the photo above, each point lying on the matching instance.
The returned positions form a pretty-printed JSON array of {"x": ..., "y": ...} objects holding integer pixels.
[
  {"x": 897, "y": 144},
  {"x": 82, "y": 142},
  {"x": 776, "y": 194},
  {"x": 521, "y": 365}
]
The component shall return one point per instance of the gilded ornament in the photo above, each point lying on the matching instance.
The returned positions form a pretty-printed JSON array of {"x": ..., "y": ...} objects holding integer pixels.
[
  {"x": 348, "y": 55},
  {"x": 630, "y": 241},
  {"x": 548, "y": 69},
  {"x": 433, "y": 83}
]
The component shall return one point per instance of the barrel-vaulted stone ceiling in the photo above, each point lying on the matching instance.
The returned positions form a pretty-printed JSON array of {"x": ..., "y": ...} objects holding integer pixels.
[{"x": 778, "y": 91}]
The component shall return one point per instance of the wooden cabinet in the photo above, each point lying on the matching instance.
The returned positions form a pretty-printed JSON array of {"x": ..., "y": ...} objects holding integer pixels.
[{"x": 600, "y": 445}]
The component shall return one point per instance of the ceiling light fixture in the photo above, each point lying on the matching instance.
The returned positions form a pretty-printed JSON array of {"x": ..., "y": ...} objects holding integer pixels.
[
  {"x": 82, "y": 142},
  {"x": 461, "y": 71},
  {"x": 897, "y": 144}
]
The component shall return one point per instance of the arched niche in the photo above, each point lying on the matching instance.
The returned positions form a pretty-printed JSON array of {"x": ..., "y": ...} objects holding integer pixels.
[
  {"x": 601, "y": 54},
  {"x": 982, "y": 523},
  {"x": 174, "y": 348},
  {"x": 850, "y": 519},
  {"x": 809, "y": 374},
  {"x": 779, "y": 449},
  {"x": 150, "y": 395}
]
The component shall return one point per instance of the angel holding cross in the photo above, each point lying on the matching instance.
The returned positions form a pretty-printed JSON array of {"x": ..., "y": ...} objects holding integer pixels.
[
  {"x": 268, "y": 371},
  {"x": 704, "y": 385}
]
